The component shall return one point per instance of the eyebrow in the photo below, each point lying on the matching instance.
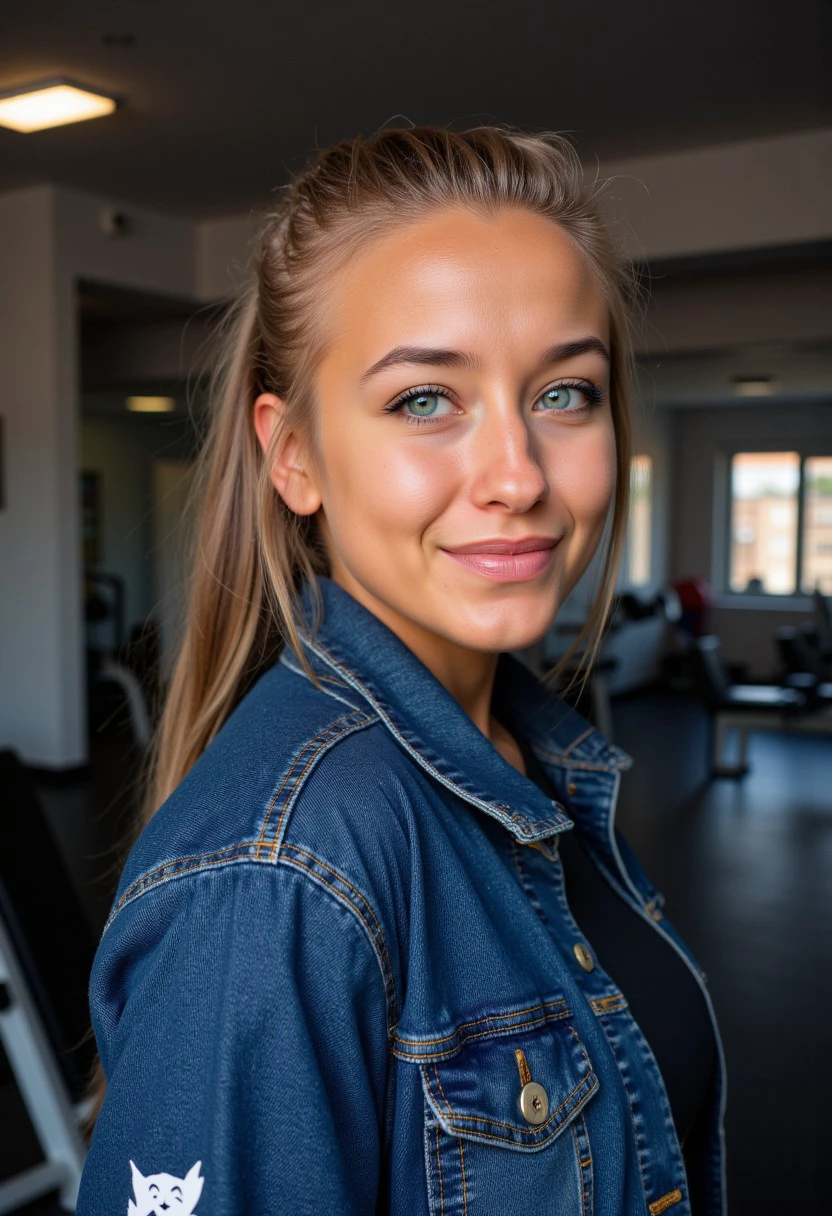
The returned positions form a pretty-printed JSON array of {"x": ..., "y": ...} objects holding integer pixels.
[{"x": 437, "y": 357}]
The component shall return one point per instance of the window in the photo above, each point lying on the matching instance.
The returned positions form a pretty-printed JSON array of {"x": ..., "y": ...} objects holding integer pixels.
[
  {"x": 817, "y": 525},
  {"x": 781, "y": 523},
  {"x": 639, "y": 524}
]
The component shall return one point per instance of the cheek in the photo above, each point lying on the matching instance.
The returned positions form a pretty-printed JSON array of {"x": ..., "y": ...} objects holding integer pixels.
[
  {"x": 584, "y": 476},
  {"x": 395, "y": 486}
]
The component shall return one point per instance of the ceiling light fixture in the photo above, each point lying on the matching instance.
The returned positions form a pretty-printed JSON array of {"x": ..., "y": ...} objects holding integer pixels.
[
  {"x": 51, "y": 103},
  {"x": 755, "y": 386},
  {"x": 151, "y": 405}
]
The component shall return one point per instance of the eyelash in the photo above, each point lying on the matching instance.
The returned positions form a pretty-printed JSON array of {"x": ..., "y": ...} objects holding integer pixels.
[{"x": 593, "y": 394}]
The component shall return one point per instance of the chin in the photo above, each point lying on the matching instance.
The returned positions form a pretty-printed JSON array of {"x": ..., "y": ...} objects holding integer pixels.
[{"x": 514, "y": 630}]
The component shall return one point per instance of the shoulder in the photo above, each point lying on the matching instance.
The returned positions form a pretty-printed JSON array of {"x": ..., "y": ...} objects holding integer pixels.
[
  {"x": 299, "y": 781},
  {"x": 265, "y": 752}
]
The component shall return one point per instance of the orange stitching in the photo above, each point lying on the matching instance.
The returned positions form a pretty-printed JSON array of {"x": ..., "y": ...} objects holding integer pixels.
[
  {"x": 303, "y": 866},
  {"x": 335, "y": 729},
  {"x": 230, "y": 850},
  {"x": 442, "y": 1092},
  {"x": 579, "y": 1134},
  {"x": 603, "y": 1004},
  {"x": 297, "y": 848},
  {"x": 492, "y": 1017},
  {"x": 504, "y": 1139},
  {"x": 145, "y": 879},
  {"x": 633, "y": 1120},
  {"x": 464, "y": 1188},
  {"x": 522, "y": 1131},
  {"x": 667, "y": 1201},
  {"x": 580, "y": 1044},
  {"x": 362, "y": 897},
  {"x": 289, "y": 861},
  {"x": 287, "y": 775},
  {"x": 439, "y": 1167},
  {"x": 480, "y": 1034}
]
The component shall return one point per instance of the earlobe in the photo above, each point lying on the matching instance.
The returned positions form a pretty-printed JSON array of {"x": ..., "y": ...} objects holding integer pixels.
[{"x": 289, "y": 473}]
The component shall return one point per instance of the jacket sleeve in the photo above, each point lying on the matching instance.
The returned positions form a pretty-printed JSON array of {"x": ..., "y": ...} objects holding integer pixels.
[{"x": 242, "y": 1022}]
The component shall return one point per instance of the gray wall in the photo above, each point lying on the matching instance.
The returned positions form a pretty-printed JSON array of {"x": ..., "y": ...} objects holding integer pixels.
[
  {"x": 49, "y": 239},
  {"x": 701, "y": 440}
]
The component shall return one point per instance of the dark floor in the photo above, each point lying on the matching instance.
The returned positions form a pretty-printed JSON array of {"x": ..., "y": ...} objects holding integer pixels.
[{"x": 746, "y": 869}]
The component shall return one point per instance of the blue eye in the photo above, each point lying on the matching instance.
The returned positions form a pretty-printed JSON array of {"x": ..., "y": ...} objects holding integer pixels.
[
  {"x": 421, "y": 405},
  {"x": 564, "y": 397},
  {"x": 424, "y": 405}
]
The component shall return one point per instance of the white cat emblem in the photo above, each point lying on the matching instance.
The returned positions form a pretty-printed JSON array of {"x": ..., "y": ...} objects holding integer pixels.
[{"x": 165, "y": 1195}]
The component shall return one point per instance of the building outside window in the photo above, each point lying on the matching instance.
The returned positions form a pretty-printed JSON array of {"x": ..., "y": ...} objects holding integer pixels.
[{"x": 781, "y": 523}]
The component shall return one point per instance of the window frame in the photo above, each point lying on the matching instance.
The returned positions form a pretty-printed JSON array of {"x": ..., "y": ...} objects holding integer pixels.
[
  {"x": 723, "y": 509},
  {"x": 626, "y": 582}
]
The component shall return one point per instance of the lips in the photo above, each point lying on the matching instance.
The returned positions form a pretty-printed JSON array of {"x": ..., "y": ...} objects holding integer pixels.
[
  {"x": 527, "y": 545},
  {"x": 516, "y": 565}
]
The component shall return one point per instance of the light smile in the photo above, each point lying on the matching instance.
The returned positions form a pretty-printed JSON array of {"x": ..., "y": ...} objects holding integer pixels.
[{"x": 506, "y": 567}]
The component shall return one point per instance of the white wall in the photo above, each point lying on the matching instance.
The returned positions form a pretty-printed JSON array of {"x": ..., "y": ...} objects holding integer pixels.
[
  {"x": 41, "y": 688},
  {"x": 50, "y": 238},
  {"x": 746, "y": 195}
]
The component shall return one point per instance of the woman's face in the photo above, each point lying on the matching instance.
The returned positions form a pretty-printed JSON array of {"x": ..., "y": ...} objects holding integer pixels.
[{"x": 464, "y": 400}]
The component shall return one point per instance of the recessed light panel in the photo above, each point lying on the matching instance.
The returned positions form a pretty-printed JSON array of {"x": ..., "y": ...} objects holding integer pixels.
[
  {"x": 151, "y": 405},
  {"x": 52, "y": 104}
]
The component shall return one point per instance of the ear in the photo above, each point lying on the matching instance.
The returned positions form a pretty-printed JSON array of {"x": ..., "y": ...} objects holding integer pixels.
[{"x": 290, "y": 474}]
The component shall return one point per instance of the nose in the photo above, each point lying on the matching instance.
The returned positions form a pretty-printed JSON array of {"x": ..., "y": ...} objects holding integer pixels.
[{"x": 506, "y": 460}]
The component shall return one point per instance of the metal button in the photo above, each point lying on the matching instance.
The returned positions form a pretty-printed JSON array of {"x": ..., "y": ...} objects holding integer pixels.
[
  {"x": 583, "y": 955},
  {"x": 534, "y": 1102},
  {"x": 571, "y": 788}
]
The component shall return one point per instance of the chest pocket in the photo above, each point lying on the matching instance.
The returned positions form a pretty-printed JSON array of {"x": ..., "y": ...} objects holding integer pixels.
[{"x": 504, "y": 1129}]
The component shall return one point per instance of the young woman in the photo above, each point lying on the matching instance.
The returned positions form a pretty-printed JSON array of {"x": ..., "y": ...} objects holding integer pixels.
[{"x": 381, "y": 947}]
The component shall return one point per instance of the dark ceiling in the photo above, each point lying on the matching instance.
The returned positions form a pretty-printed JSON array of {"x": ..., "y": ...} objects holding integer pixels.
[{"x": 223, "y": 100}]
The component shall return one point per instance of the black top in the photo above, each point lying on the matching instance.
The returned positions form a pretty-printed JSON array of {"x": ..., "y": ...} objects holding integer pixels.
[{"x": 663, "y": 996}]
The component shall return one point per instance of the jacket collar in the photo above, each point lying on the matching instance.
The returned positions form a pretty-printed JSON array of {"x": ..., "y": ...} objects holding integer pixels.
[{"x": 344, "y": 640}]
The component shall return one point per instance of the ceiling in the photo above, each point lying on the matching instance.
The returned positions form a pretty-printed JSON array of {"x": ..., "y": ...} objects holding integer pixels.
[{"x": 222, "y": 102}]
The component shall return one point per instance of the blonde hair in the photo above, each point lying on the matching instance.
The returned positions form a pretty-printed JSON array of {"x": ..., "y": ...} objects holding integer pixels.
[{"x": 252, "y": 553}]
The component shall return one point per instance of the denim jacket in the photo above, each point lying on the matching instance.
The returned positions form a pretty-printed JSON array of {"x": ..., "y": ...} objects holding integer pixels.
[{"x": 338, "y": 975}]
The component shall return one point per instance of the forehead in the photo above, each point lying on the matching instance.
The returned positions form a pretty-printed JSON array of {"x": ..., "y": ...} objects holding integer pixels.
[{"x": 459, "y": 276}]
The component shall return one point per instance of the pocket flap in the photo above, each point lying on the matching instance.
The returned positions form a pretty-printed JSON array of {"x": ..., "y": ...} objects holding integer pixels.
[{"x": 476, "y": 1092}]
